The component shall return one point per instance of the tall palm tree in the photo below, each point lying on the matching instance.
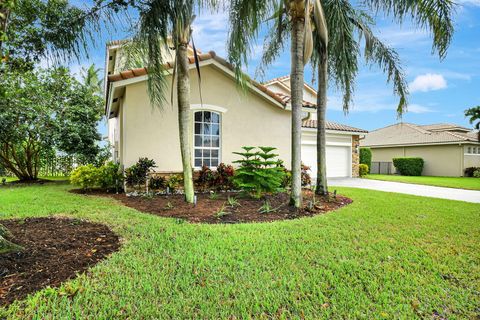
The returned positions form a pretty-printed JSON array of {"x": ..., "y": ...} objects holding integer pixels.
[
  {"x": 290, "y": 17},
  {"x": 164, "y": 23},
  {"x": 346, "y": 26}
]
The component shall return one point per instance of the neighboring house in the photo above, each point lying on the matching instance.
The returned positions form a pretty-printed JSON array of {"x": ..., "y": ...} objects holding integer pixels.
[
  {"x": 228, "y": 119},
  {"x": 447, "y": 149}
]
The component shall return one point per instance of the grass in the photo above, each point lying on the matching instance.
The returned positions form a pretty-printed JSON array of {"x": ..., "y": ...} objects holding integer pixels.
[
  {"x": 450, "y": 182},
  {"x": 384, "y": 256}
]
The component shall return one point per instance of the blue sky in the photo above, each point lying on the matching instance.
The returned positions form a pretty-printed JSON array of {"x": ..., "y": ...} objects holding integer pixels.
[{"x": 439, "y": 90}]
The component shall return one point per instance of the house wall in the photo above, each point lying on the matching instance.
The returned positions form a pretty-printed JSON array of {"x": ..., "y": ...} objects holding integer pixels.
[
  {"x": 442, "y": 160},
  {"x": 471, "y": 159},
  {"x": 249, "y": 120}
]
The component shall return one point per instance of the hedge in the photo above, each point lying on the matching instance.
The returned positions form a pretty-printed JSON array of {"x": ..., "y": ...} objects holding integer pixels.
[
  {"x": 366, "y": 157},
  {"x": 409, "y": 166},
  {"x": 363, "y": 170}
]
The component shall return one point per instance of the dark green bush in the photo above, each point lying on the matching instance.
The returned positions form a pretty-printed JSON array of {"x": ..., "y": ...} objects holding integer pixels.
[
  {"x": 409, "y": 166},
  {"x": 362, "y": 170},
  {"x": 470, "y": 171},
  {"x": 259, "y": 172},
  {"x": 137, "y": 174},
  {"x": 157, "y": 183},
  {"x": 366, "y": 157}
]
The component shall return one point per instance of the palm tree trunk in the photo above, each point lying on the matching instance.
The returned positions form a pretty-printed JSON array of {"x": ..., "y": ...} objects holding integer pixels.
[
  {"x": 183, "y": 95},
  {"x": 296, "y": 85},
  {"x": 322, "y": 188}
]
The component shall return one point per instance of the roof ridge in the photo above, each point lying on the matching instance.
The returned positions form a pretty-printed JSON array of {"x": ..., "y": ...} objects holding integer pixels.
[
  {"x": 456, "y": 135},
  {"x": 416, "y": 127}
]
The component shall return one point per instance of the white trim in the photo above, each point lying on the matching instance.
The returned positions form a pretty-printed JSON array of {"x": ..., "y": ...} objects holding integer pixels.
[
  {"x": 207, "y": 107},
  {"x": 220, "y": 147}
]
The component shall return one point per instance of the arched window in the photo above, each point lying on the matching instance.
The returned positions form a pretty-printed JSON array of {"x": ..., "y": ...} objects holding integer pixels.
[{"x": 207, "y": 138}]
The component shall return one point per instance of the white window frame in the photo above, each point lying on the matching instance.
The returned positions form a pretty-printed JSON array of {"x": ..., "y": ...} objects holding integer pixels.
[{"x": 212, "y": 109}]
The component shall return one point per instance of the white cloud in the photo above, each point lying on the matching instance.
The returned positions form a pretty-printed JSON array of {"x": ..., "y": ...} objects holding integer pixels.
[
  {"x": 469, "y": 2},
  {"x": 428, "y": 82},
  {"x": 210, "y": 32},
  {"x": 416, "y": 108}
]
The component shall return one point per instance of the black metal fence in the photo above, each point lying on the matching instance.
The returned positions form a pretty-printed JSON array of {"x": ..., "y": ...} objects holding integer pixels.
[{"x": 379, "y": 167}]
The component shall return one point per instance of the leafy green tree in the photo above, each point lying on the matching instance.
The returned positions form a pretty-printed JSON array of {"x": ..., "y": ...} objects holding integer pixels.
[
  {"x": 45, "y": 110},
  {"x": 474, "y": 115}
]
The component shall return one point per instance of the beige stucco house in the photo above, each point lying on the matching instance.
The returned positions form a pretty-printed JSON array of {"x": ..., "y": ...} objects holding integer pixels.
[
  {"x": 228, "y": 119},
  {"x": 447, "y": 149}
]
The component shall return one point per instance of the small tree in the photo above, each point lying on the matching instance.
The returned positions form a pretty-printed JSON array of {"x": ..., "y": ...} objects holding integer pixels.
[{"x": 259, "y": 172}]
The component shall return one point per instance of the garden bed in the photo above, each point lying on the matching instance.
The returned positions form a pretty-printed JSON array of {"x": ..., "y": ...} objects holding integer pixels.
[
  {"x": 217, "y": 209},
  {"x": 55, "y": 250}
]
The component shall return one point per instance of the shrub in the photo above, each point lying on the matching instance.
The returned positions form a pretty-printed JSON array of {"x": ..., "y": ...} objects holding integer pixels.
[
  {"x": 476, "y": 174},
  {"x": 137, "y": 174},
  {"x": 362, "y": 170},
  {"x": 470, "y": 171},
  {"x": 174, "y": 182},
  {"x": 205, "y": 178},
  {"x": 224, "y": 177},
  {"x": 366, "y": 157},
  {"x": 409, "y": 166},
  {"x": 306, "y": 178},
  {"x": 110, "y": 176},
  {"x": 87, "y": 177},
  {"x": 157, "y": 183},
  {"x": 259, "y": 173}
]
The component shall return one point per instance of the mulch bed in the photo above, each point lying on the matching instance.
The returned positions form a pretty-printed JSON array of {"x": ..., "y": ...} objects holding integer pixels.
[
  {"x": 56, "y": 249},
  {"x": 208, "y": 207}
]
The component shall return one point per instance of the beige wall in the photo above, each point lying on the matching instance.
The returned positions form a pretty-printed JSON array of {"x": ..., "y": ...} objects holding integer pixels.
[
  {"x": 248, "y": 121},
  {"x": 445, "y": 160}
]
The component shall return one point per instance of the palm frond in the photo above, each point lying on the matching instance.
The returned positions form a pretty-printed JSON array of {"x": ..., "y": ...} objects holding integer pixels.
[
  {"x": 246, "y": 17},
  {"x": 433, "y": 15},
  {"x": 385, "y": 57}
]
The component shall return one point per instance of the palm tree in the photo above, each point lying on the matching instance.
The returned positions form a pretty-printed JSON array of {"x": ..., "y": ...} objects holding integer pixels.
[
  {"x": 164, "y": 25},
  {"x": 295, "y": 18},
  {"x": 90, "y": 77},
  {"x": 474, "y": 115},
  {"x": 347, "y": 22}
]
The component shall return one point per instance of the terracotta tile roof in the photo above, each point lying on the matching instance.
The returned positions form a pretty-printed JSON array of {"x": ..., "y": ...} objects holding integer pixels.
[
  {"x": 287, "y": 98},
  {"x": 128, "y": 74},
  {"x": 329, "y": 125},
  {"x": 411, "y": 134}
]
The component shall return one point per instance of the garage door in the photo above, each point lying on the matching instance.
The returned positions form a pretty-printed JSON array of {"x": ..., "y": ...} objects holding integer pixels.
[{"x": 338, "y": 160}]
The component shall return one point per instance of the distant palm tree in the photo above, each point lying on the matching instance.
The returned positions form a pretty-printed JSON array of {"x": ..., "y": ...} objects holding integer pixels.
[
  {"x": 474, "y": 115},
  {"x": 91, "y": 78},
  {"x": 346, "y": 26}
]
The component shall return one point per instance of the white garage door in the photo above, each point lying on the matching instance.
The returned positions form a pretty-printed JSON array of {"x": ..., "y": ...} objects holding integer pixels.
[{"x": 338, "y": 160}]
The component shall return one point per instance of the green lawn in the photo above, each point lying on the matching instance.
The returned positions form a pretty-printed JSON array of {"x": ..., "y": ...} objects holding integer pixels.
[
  {"x": 451, "y": 182},
  {"x": 384, "y": 256}
]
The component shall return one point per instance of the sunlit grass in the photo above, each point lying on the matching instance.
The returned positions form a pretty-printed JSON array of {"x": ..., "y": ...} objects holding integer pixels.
[
  {"x": 384, "y": 256},
  {"x": 450, "y": 182}
]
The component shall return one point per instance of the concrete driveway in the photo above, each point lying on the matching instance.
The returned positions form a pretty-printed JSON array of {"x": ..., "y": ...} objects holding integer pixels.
[{"x": 408, "y": 188}]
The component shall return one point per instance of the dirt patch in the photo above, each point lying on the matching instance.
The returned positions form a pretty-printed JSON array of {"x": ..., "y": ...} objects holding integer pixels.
[
  {"x": 217, "y": 209},
  {"x": 56, "y": 249}
]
